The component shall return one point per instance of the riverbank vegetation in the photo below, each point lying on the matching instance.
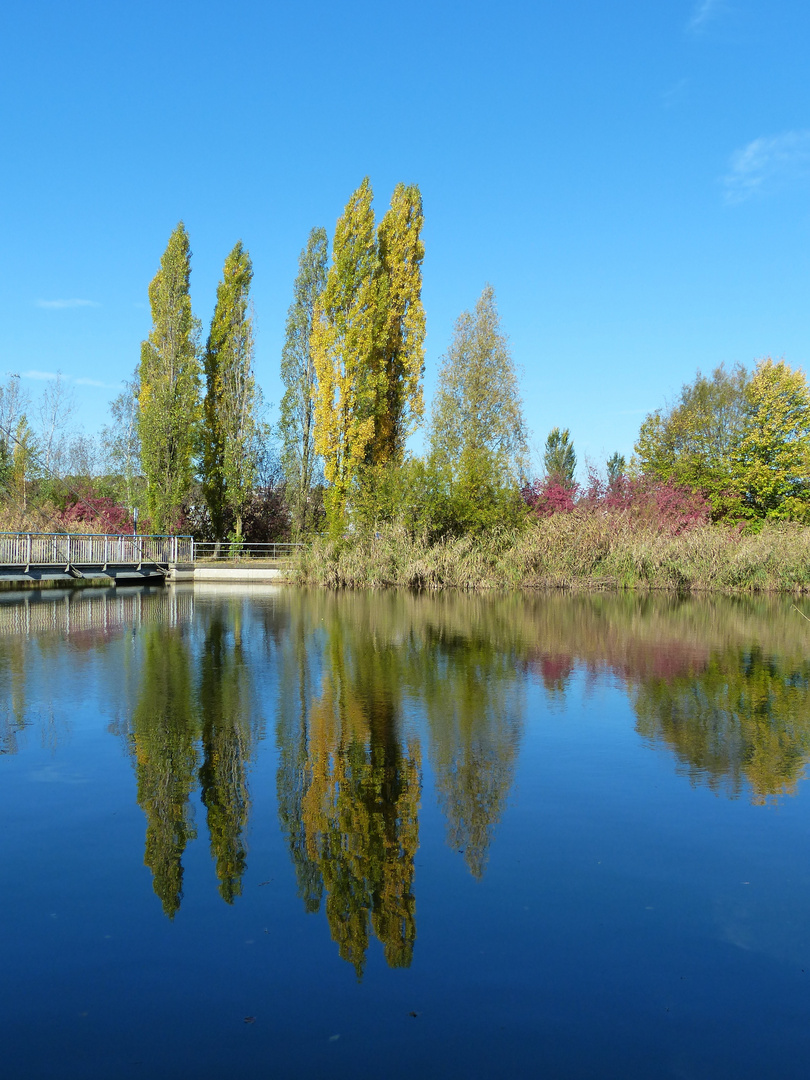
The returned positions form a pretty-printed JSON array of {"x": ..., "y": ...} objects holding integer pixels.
[{"x": 716, "y": 494}]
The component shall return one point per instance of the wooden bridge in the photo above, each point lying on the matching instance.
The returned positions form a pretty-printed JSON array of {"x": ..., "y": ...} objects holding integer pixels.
[{"x": 68, "y": 556}]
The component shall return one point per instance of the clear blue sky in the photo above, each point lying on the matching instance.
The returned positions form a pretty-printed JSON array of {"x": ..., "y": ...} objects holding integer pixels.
[{"x": 633, "y": 178}]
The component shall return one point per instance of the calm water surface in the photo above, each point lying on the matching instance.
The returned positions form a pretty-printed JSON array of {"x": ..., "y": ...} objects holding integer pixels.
[{"x": 277, "y": 833}]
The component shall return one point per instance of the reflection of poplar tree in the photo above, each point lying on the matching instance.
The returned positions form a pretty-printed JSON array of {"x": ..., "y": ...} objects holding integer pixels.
[
  {"x": 163, "y": 736},
  {"x": 746, "y": 718},
  {"x": 292, "y": 734},
  {"x": 226, "y": 750},
  {"x": 359, "y": 797}
]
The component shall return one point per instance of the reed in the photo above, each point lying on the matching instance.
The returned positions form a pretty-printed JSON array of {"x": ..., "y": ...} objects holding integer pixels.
[{"x": 582, "y": 550}]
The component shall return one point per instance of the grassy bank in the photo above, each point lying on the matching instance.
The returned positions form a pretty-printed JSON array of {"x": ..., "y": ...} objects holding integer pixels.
[{"x": 580, "y": 550}]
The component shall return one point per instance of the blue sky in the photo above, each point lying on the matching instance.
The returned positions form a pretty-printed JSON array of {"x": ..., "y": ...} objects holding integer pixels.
[{"x": 633, "y": 178}]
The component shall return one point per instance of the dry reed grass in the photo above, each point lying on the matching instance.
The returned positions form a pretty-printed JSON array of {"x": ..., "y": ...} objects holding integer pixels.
[{"x": 581, "y": 550}]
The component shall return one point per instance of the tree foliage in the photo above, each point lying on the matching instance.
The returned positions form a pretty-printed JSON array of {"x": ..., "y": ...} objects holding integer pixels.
[
  {"x": 296, "y": 422},
  {"x": 399, "y": 352},
  {"x": 477, "y": 431},
  {"x": 771, "y": 460},
  {"x": 560, "y": 459},
  {"x": 231, "y": 428},
  {"x": 342, "y": 346},
  {"x": 691, "y": 442},
  {"x": 168, "y": 386}
]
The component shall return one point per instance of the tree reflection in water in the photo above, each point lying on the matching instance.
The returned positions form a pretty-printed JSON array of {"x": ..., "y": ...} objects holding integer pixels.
[{"x": 369, "y": 685}]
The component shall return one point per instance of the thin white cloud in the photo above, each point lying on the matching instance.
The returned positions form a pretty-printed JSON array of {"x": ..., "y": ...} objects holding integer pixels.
[
  {"x": 767, "y": 164},
  {"x": 40, "y": 376},
  {"x": 82, "y": 381},
  {"x": 54, "y": 304},
  {"x": 703, "y": 12}
]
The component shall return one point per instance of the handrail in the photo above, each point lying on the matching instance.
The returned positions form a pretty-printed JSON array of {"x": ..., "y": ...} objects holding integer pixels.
[{"x": 72, "y": 549}]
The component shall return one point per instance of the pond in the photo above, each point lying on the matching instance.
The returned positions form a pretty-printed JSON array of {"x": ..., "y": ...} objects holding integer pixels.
[{"x": 274, "y": 832}]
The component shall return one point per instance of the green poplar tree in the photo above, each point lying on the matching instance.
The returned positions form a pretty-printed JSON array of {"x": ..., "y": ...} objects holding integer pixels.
[
  {"x": 231, "y": 429},
  {"x": 343, "y": 338},
  {"x": 559, "y": 458},
  {"x": 168, "y": 387},
  {"x": 296, "y": 423}
]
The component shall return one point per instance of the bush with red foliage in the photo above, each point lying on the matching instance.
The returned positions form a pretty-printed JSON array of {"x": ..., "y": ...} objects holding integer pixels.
[
  {"x": 660, "y": 505},
  {"x": 548, "y": 496},
  {"x": 96, "y": 514}
]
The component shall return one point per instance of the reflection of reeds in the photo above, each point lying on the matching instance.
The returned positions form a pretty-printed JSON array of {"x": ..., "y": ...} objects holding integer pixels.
[{"x": 580, "y": 550}]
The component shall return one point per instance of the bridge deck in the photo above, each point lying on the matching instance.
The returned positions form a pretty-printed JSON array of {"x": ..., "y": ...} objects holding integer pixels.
[{"x": 67, "y": 556}]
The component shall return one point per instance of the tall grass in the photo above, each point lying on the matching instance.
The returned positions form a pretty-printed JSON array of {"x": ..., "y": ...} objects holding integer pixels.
[{"x": 579, "y": 550}]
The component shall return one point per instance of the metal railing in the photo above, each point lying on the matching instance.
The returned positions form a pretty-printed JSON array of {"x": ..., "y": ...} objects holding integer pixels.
[
  {"x": 229, "y": 551},
  {"x": 91, "y": 549}
]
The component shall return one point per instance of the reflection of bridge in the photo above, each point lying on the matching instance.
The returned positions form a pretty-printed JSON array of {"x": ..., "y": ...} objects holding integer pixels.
[
  {"x": 69, "y": 556},
  {"x": 91, "y": 611}
]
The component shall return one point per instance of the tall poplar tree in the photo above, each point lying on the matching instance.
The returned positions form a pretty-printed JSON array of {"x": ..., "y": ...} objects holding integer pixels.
[
  {"x": 399, "y": 350},
  {"x": 168, "y": 386},
  {"x": 231, "y": 428},
  {"x": 296, "y": 425},
  {"x": 342, "y": 348}
]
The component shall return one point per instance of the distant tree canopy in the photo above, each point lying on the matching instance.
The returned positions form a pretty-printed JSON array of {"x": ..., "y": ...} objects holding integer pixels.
[{"x": 742, "y": 440}]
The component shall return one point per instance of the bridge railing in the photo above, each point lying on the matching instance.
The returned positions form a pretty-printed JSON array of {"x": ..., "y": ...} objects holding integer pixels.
[
  {"x": 225, "y": 550},
  {"x": 54, "y": 549}
]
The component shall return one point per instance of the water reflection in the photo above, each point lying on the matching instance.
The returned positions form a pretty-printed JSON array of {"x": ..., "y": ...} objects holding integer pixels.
[{"x": 370, "y": 689}]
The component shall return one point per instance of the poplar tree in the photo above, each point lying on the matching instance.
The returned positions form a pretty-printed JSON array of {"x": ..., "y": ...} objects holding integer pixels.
[
  {"x": 399, "y": 350},
  {"x": 347, "y": 387},
  {"x": 168, "y": 387},
  {"x": 231, "y": 429},
  {"x": 296, "y": 426},
  {"x": 559, "y": 458}
]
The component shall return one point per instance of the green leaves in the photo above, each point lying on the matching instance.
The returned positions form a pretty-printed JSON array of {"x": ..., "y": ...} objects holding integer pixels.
[
  {"x": 296, "y": 423},
  {"x": 231, "y": 430},
  {"x": 168, "y": 386}
]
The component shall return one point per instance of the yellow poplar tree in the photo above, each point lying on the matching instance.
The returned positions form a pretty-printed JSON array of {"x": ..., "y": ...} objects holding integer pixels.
[
  {"x": 342, "y": 351},
  {"x": 399, "y": 347}
]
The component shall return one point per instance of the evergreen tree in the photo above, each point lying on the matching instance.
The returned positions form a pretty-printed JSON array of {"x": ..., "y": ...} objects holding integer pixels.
[
  {"x": 559, "y": 458},
  {"x": 231, "y": 430},
  {"x": 296, "y": 426},
  {"x": 477, "y": 432},
  {"x": 168, "y": 387},
  {"x": 616, "y": 467},
  {"x": 399, "y": 350},
  {"x": 347, "y": 388}
]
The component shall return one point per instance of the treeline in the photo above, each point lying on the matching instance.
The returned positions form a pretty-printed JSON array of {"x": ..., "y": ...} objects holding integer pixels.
[{"x": 190, "y": 444}]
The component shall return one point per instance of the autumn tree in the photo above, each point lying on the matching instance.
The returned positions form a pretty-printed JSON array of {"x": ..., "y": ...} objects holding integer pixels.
[
  {"x": 342, "y": 347},
  {"x": 770, "y": 461},
  {"x": 296, "y": 422},
  {"x": 168, "y": 387},
  {"x": 231, "y": 428},
  {"x": 477, "y": 431},
  {"x": 398, "y": 352}
]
